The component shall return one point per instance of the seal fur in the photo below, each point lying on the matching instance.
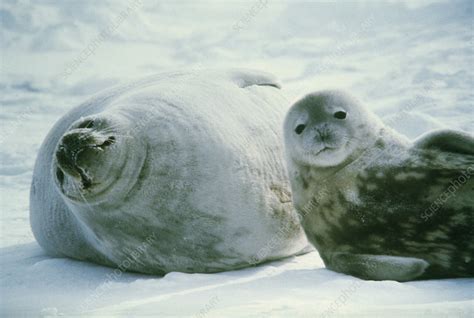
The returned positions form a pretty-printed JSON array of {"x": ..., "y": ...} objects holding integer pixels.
[
  {"x": 374, "y": 204},
  {"x": 181, "y": 171}
]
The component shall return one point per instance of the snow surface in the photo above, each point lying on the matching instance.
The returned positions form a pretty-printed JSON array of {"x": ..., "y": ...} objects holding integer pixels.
[{"x": 411, "y": 62}]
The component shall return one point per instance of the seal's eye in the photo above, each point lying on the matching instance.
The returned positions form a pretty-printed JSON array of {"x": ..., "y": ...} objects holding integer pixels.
[
  {"x": 299, "y": 129},
  {"x": 340, "y": 115}
]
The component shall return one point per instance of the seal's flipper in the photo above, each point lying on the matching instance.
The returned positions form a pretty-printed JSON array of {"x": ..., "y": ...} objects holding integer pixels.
[
  {"x": 447, "y": 140},
  {"x": 245, "y": 78},
  {"x": 377, "y": 267}
]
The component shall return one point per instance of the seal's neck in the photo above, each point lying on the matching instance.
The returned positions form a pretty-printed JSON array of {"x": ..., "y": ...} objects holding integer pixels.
[{"x": 386, "y": 146}]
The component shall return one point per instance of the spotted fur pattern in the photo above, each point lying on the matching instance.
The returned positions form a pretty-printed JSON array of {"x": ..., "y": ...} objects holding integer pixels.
[{"x": 393, "y": 200}]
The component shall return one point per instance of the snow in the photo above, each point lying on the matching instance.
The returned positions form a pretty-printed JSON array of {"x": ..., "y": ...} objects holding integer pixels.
[{"x": 411, "y": 62}]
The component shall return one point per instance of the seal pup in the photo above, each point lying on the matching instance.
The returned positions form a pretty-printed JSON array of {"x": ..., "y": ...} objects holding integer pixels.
[
  {"x": 181, "y": 171},
  {"x": 374, "y": 204}
]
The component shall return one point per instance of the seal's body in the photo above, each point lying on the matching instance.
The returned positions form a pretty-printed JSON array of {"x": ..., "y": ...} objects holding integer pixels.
[
  {"x": 178, "y": 172},
  {"x": 384, "y": 208}
]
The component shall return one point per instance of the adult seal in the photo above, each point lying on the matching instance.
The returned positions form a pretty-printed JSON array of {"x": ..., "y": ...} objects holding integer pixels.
[
  {"x": 374, "y": 204},
  {"x": 182, "y": 171}
]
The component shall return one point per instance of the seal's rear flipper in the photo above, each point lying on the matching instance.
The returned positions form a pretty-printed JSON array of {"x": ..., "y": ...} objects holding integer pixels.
[
  {"x": 377, "y": 267},
  {"x": 244, "y": 78},
  {"x": 447, "y": 140}
]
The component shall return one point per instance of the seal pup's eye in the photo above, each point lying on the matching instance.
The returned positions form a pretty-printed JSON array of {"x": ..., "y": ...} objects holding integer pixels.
[
  {"x": 340, "y": 115},
  {"x": 299, "y": 129}
]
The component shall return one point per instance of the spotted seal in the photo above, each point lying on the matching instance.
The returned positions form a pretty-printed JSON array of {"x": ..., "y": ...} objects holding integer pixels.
[
  {"x": 181, "y": 171},
  {"x": 374, "y": 204}
]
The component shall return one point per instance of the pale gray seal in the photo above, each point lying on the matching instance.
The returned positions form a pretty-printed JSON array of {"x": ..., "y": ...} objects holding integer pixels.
[
  {"x": 374, "y": 204},
  {"x": 177, "y": 172}
]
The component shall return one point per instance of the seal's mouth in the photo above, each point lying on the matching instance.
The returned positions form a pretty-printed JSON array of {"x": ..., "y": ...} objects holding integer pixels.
[
  {"x": 328, "y": 153},
  {"x": 324, "y": 149}
]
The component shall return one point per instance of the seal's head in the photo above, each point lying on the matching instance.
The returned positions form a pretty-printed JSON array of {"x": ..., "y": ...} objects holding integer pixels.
[
  {"x": 92, "y": 157},
  {"x": 326, "y": 128}
]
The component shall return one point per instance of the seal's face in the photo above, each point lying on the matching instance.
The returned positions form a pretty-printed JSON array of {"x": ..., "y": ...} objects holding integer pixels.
[
  {"x": 324, "y": 129},
  {"x": 91, "y": 157}
]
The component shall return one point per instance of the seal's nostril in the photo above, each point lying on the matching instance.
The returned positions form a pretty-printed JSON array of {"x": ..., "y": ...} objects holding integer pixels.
[
  {"x": 76, "y": 140},
  {"x": 324, "y": 135},
  {"x": 88, "y": 123},
  {"x": 109, "y": 141}
]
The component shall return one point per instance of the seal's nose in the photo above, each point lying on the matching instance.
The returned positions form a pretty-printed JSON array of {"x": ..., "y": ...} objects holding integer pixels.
[
  {"x": 322, "y": 134},
  {"x": 78, "y": 139},
  {"x": 77, "y": 149}
]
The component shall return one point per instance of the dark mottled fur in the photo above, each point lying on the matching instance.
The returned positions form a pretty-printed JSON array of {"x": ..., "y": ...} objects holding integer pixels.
[{"x": 393, "y": 216}]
